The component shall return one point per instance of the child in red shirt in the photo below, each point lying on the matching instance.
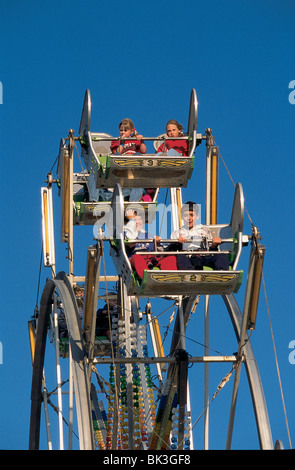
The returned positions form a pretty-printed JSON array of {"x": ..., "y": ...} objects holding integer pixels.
[
  {"x": 128, "y": 147},
  {"x": 174, "y": 129}
]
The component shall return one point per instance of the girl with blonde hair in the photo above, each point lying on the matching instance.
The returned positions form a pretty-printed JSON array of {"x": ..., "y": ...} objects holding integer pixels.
[{"x": 128, "y": 147}]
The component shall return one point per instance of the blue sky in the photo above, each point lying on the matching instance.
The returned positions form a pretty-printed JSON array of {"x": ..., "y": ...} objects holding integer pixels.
[{"x": 141, "y": 60}]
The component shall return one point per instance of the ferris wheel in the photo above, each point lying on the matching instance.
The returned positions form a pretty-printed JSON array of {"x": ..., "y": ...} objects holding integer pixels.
[{"x": 130, "y": 387}]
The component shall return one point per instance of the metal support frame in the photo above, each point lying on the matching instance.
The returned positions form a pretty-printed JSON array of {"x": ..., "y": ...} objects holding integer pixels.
[
  {"x": 248, "y": 320},
  {"x": 79, "y": 365},
  {"x": 164, "y": 360},
  {"x": 67, "y": 200},
  {"x": 58, "y": 374},
  {"x": 253, "y": 282},
  {"x": 211, "y": 180},
  {"x": 158, "y": 351},
  {"x": 211, "y": 219},
  {"x": 90, "y": 302},
  {"x": 32, "y": 337},
  {"x": 258, "y": 399},
  {"x": 160, "y": 437},
  {"x": 182, "y": 362}
]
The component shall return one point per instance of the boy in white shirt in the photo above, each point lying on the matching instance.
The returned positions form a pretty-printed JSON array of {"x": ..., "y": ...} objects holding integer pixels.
[{"x": 195, "y": 237}]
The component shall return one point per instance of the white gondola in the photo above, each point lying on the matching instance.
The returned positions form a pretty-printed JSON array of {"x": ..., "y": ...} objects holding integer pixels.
[
  {"x": 106, "y": 169},
  {"x": 89, "y": 212},
  {"x": 159, "y": 283}
]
